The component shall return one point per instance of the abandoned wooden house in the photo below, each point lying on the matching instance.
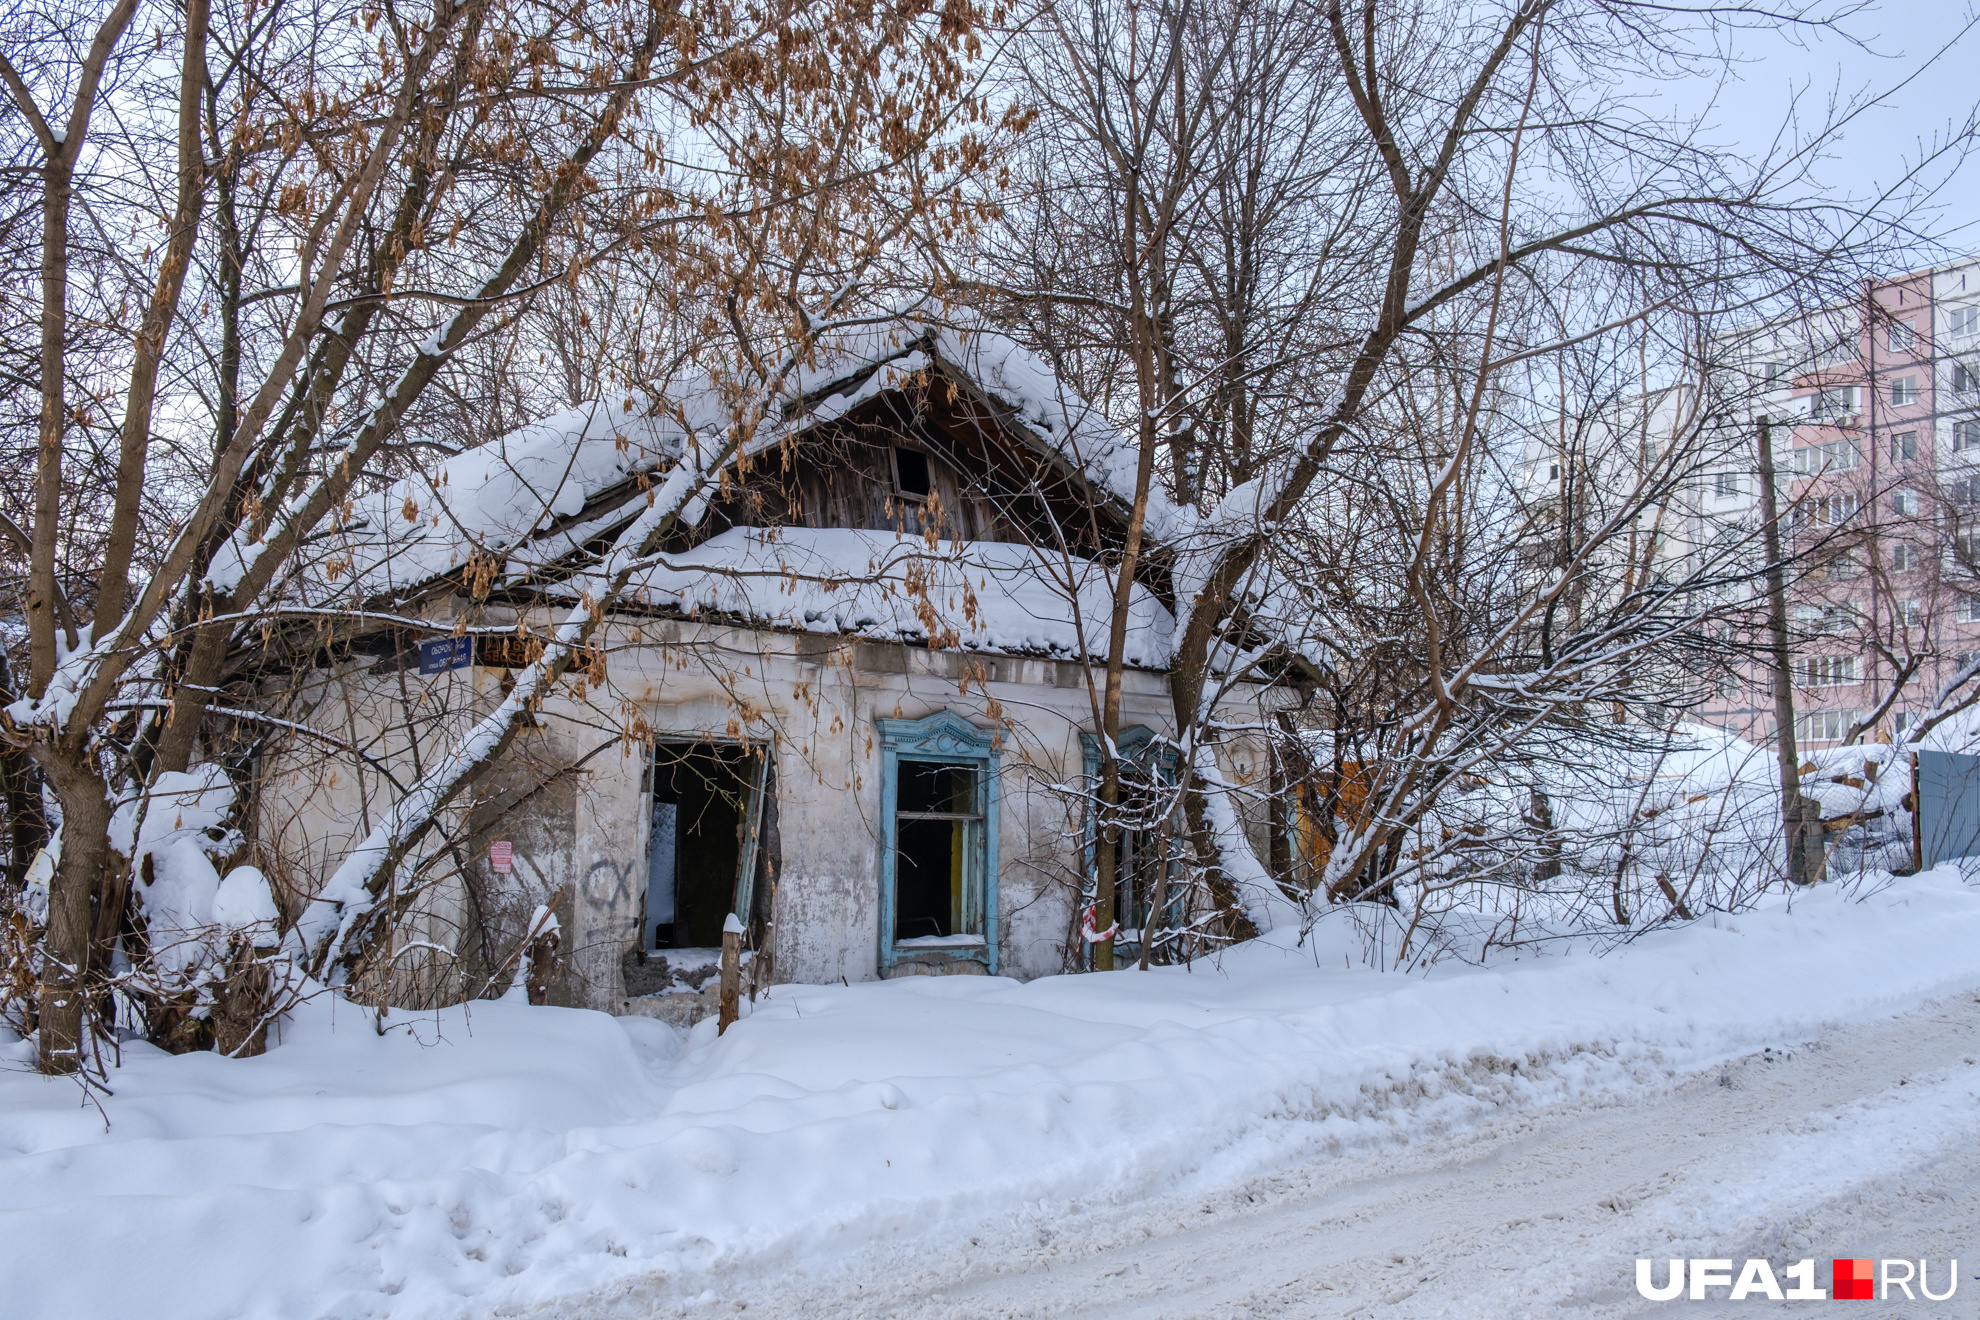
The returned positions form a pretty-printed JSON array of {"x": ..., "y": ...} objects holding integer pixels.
[{"x": 853, "y": 706}]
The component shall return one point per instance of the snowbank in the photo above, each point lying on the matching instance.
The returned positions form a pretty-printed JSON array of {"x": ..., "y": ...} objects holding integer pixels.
[{"x": 505, "y": 1153}]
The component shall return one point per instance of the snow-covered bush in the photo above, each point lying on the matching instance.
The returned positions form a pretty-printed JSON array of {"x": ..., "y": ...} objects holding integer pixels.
[{"x": 1612, "y": 836}]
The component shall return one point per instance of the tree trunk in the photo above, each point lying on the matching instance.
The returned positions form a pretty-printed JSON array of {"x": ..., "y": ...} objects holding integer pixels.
[
  {"x": 1233, "y": 924},
  {"x": 1107, "y": 843},
  {"x": 240, "y": 1009},
  {"x": 69, "y": 941},
  {"x": 1540, "y": 815},
  {"x": 56, "y": 178},
  {"x": 1787, "y": 757}
]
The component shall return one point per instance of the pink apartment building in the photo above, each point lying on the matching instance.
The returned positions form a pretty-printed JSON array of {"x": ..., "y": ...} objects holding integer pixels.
[{"x": 1877, "y": 447}]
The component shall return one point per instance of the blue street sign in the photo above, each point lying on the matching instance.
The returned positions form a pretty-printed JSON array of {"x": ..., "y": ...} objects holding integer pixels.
[{"x": 444, "y": 653}]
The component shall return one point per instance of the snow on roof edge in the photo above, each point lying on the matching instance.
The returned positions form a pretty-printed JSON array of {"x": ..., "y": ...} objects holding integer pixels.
[{"x": 496, "y": 497}]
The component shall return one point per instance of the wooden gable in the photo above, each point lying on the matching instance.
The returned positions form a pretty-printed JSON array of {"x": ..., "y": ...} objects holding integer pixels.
[{"x": 932, "y": 456}]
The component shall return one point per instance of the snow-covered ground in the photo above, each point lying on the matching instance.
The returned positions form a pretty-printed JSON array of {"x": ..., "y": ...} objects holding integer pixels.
[
  {"x": 503, "y": 1157},
  {"x": 1857, "y": 1144}
]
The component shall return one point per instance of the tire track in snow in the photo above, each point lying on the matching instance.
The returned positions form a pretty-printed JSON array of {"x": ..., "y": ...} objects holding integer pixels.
[{"x": 1858, "y": 1143}]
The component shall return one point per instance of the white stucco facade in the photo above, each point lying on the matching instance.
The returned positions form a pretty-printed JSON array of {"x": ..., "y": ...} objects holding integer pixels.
[{"x": 572, "y": 793}]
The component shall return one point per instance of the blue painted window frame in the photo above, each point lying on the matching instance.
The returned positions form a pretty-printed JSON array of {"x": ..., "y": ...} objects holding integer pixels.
[{"x": 949, "y": 739}]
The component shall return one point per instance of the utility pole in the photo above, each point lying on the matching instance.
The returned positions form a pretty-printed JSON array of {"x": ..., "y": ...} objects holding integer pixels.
[{"x": 1777, "y": 636}]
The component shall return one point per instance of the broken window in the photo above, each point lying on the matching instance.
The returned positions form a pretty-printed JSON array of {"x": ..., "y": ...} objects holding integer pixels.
[
  {"x": 911, "y": 473},
  {"x": 938, "y": 861},
  {"x": 1147, "y": 861},
  {"x": 937, "y": 840},
  {"x": 704, "y": 843}
]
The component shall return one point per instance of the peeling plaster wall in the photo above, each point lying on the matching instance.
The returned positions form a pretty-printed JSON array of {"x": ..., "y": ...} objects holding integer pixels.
[
  {"x": 818, "y": 698},
  {"x": 317, "y": 800}
]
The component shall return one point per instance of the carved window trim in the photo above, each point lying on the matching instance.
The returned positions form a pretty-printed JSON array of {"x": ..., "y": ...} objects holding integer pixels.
[{"x": 949, "y": 739}]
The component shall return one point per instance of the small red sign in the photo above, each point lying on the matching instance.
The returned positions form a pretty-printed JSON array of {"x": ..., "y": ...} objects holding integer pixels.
[
  {"x": 502, "y": 856},
  {"x": 1852, "y": 1280}
]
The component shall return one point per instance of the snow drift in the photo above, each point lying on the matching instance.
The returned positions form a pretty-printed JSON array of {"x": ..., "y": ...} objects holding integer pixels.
[{"x": 500, "y": 1154}]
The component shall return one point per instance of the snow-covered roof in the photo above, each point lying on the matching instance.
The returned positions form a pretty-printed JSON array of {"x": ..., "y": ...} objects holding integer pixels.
[
  {"x": 520, "y": 499},
  {"x": 966, "y": 595},
  {"x": 489, "y": 499}
]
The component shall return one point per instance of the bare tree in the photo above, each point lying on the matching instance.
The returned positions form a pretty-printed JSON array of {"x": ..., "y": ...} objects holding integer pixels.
[
  {"x": 377, "y": 212},
  {"x": 1473, "y": 203}
]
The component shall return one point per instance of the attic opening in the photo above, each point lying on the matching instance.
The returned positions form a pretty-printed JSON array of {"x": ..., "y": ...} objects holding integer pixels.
[
  {"x": 911, "y": 478},
  {"x": 706, "y": 827}
]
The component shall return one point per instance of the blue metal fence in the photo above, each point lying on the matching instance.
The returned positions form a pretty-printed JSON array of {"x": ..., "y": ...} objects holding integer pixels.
[{"x": 1948, "y": 806}]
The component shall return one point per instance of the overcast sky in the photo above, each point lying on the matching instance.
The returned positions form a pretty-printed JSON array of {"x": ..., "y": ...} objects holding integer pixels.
[{"x": 1897, "y": 37}]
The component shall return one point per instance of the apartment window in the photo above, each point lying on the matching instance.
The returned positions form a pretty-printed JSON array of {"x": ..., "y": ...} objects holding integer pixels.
[
  {"x": 705, "y": 862},
  {"x": 1904, "y": 557},
  {"x": 1777, "y": 374},
  {"x": 1727, "y": 485},
  {"x": 1833, "y": 510},
  {"x": 1553, "y": 472},
  {"x": 1963, "y": 321},
  {"x": 1969, "y": 609},
  {"x": 1966, "y": 435},
  {"x": 1819, "y": 726},
  {"x": 1966, "y": 490},
  {"x": 1899, "y": 337},
  {"x": 1832, "y": 456},
  {"x": 1904, "y": 503},
  {"x": 1812, "y": 620},
  {"x": 1843, "y": 567},
  {"x": 1910, "y": 613},
  {"x": 1835, "y": 401},
  {"x": 1904, "y": 446},
  {"x": 1815, "y": 671},
  {"x": 938, "y": 866},
  {"x": 1965, "y": 377},
  {"x": 1904, "y": 391}
]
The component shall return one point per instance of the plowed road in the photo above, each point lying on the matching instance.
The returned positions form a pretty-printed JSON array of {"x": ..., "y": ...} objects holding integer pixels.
[{"x": 1863, "y": 1143}]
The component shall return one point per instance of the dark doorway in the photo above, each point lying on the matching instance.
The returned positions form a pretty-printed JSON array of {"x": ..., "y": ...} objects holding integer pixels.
[{"x": 703, "y": 794}]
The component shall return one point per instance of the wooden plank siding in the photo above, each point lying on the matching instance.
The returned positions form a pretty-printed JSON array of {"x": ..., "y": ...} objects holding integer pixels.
[{"x": 985, "y": 484}]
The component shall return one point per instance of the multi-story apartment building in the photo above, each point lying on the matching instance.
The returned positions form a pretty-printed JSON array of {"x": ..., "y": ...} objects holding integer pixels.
[{"x": 1875, "y": 422}]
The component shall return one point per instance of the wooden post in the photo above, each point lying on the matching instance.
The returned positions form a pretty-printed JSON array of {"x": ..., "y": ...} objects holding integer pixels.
[
  {"x": 732, "y": 935},
  {"x": 1917, "y": 819}
]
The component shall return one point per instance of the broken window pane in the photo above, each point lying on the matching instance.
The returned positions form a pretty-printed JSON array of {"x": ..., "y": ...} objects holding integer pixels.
[
  {"x": 660, "y": 876},
  {"x": 911, "y": 472},
  {"x": 938, "y": 847}
]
